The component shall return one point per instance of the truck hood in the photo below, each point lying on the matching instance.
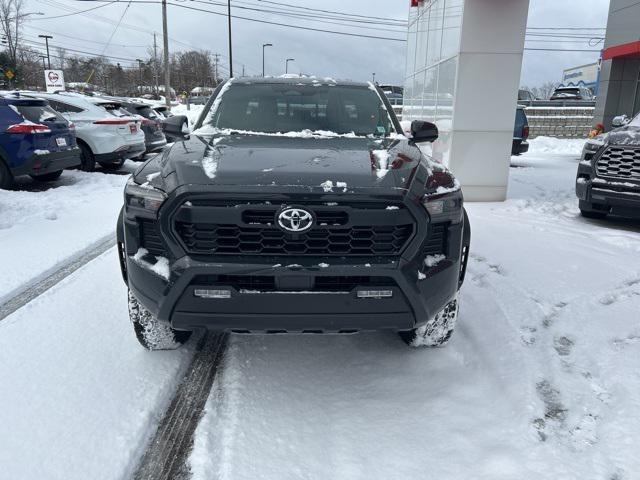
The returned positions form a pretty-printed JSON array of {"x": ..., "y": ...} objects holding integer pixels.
[
  {"x": 628, "y": 135},
  {"x": 337, "y": 164}
]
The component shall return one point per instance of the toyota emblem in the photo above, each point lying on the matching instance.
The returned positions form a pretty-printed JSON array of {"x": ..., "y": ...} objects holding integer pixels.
[{"x": 296, "y": 220}]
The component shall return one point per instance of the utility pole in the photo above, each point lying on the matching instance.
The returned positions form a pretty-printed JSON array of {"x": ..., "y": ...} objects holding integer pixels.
[
  {"x": 243, "y": 70},
  {"x": 44, "y": 67},
  {"x": 373, "y": 80},
  {"x": 155, "y": 63},
  {"x": 140, "y": 70},
  {"x": 46, "y": 41},
  {"x": 286, "y": 64},
  {"x": 230, "y": 46},
  {"x": 165, "y": 41},
  {"x": 216, "y": 59},
  {"x": 263, "y": 46}
]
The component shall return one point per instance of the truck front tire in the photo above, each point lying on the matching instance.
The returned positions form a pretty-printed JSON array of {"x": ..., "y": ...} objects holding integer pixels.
[
  {"x": 437, "y": 331},
  {"x": 152, "y": 333}
]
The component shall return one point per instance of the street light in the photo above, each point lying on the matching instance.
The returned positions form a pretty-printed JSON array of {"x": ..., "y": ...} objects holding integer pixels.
[
  {"x": 374, "y": 78},
  {"x": 286, "y": 64},
  {"x": 46, "y": 41},
  {"x": 263, "y": 47}
]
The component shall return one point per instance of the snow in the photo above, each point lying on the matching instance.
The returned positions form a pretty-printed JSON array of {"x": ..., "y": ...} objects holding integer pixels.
[
  {"x": 43, "y": 225},
  {"x": 193, "y": 113},
  {"x": 381, "y": 158},
  {"x": 160, "y": 266},
  {"x": 79, "y": 397},
  {"x": 41, "y": 152},
  {"x": 433, "y": 260},
  {"x": 306, "y": 133},
  {"x": 556, "y": 146},
  {"x": 539, "y": 380}
]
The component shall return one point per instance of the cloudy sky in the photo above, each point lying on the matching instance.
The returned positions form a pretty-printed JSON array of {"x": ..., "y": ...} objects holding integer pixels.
[{"x": 315, "y": 52}]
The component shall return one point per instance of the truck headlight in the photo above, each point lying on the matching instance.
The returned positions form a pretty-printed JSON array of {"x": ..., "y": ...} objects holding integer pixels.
[{"x": 143, "y": 198}]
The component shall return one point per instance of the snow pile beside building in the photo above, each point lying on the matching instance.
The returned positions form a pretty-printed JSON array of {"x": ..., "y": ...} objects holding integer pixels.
[{"x": 556, "y": 146}]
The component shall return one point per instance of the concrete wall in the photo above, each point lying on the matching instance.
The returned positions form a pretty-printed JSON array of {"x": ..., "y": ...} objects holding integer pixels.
[
  {"x": 560, "y": 122},
  {"x": 463, "y": 72}
]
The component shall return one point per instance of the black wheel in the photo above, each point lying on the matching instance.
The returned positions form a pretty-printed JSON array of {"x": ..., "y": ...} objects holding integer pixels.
[
  {"x": 151, "y": 332},
  {"x": 437, "y": 331},
  {"x": 47, "y": 177},
  {"x": 112, "y": 166},
  {"x": 87, "y": 160},
  {"x": 6, "y": 178}
]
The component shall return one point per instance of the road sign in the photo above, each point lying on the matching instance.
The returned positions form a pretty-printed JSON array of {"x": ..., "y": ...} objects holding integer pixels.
[
  {"x": 9, "y": 74},
  {"x": 54, "y": 79}
]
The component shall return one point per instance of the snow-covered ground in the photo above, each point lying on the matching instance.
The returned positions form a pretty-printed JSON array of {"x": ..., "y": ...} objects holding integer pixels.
[
  {"x": 540, "y": 380},
  {"x": 43, "y": 224}
]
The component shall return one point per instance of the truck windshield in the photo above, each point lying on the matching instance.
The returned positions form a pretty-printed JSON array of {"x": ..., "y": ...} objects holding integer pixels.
[{"x": 280, "y": 108}]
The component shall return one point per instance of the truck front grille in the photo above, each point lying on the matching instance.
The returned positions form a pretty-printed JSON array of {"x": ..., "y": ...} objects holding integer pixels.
[
  {"x": 619, "y": 162},
  {"x": 205, "y": 238}
]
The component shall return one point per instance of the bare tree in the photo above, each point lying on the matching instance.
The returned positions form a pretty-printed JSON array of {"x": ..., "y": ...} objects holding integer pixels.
[
  {"x": 544, "y": 91},
  {"x": 11, "y": 20},
  {"x": 62, "y": 55}
]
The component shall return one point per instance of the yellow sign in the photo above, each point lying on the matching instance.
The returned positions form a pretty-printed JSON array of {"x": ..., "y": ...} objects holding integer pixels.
[{"x": 9, "y": 74}]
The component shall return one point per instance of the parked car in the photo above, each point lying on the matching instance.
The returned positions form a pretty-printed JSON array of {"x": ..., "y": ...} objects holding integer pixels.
[
  {"x": 520, "y": 132},
  {"x": 608, "y": 179},
  {"x": 34, "y": 140},
  {"x": 328, "y": 220},
  {"x": 572, "y": 93},
  {"x": 106, "y": 134},
  {"x": 151, "y": 123}
]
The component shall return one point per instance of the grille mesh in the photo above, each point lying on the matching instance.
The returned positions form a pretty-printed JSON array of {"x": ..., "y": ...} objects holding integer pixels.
[
  {"x": 619, "y": 162},
  {"x": 233, "y": 239}
]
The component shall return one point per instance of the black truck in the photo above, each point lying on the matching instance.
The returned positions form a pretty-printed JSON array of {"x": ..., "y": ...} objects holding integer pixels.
[
  {"x": 295, "y": 205},
  {"x": 608, "y": 178}
]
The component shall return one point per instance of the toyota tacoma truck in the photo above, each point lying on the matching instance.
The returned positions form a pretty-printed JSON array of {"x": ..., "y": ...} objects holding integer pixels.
[
  {"x": 296, "y": 205},
  {"x": 608, "y": 178}
]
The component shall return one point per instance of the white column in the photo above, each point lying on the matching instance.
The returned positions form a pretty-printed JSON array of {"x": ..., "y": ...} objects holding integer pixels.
[{"x": 488, "y": 77}]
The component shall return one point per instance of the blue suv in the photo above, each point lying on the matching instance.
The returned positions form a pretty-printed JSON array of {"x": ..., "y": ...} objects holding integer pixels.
[{"x": 35, "y": 140}]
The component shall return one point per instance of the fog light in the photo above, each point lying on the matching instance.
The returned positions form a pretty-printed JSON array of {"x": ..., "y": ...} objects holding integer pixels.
[
  {"x": 203, "y": 293},
  {"x": 375, "y": 293}
]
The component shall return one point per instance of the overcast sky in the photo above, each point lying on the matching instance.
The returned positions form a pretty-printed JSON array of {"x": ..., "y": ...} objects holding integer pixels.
[{"x": 316, "y": 53}]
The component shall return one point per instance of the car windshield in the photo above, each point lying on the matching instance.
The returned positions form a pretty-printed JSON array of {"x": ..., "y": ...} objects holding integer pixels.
[
  {"x": 281, "y": 108},
  {"x": 567, "y": 92}
]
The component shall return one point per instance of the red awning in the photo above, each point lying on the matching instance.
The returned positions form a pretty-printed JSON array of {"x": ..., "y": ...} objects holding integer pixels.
[{"x": 626, "y": 50}]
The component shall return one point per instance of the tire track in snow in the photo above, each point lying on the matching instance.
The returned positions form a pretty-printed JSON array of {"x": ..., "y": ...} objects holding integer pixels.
[
  {"x": 166, "y": 455},
  {"x": 34, "y": 290}
]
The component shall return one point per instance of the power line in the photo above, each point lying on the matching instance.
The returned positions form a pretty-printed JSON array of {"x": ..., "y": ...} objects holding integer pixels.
[
  {"x": 76, "y": 13},
  {"x": 264, "y": 21}
]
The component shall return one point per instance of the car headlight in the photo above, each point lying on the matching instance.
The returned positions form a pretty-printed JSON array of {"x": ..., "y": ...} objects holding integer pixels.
[
  {"x": 443, "y": 200},
  {"x": 143, "y": 198}
]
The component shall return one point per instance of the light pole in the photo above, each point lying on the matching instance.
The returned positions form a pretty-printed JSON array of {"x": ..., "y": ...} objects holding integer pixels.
[
  {"x": 230, "y": 47},
  {"x": 140, "y": 70},
  {"x": 165, "y": 55},
  {"x": 263, "y": 46},
  {"x": 374, "y": 78},
  {"x": 286, "y": 64},
  {"x": 46, "y": 41},
  {"x": 43, "y": 57}
]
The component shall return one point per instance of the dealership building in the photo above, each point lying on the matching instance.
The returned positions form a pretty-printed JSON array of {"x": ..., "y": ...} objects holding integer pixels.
[
  {"x": 466, "y": 81},
  {"x": 619, "y": 91}
]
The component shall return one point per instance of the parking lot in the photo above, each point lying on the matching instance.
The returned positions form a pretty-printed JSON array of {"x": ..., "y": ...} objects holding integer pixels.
[{"x": 539, "y": 381}]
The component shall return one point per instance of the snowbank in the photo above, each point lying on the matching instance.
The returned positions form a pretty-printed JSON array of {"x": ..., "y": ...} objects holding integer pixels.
[
  {"x": 192, "y": 114},
  {"x": 556, "y": 146}
]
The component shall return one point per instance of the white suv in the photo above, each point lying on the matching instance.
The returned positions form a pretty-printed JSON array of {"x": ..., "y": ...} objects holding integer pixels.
[{"x": 106, "y": 134}]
